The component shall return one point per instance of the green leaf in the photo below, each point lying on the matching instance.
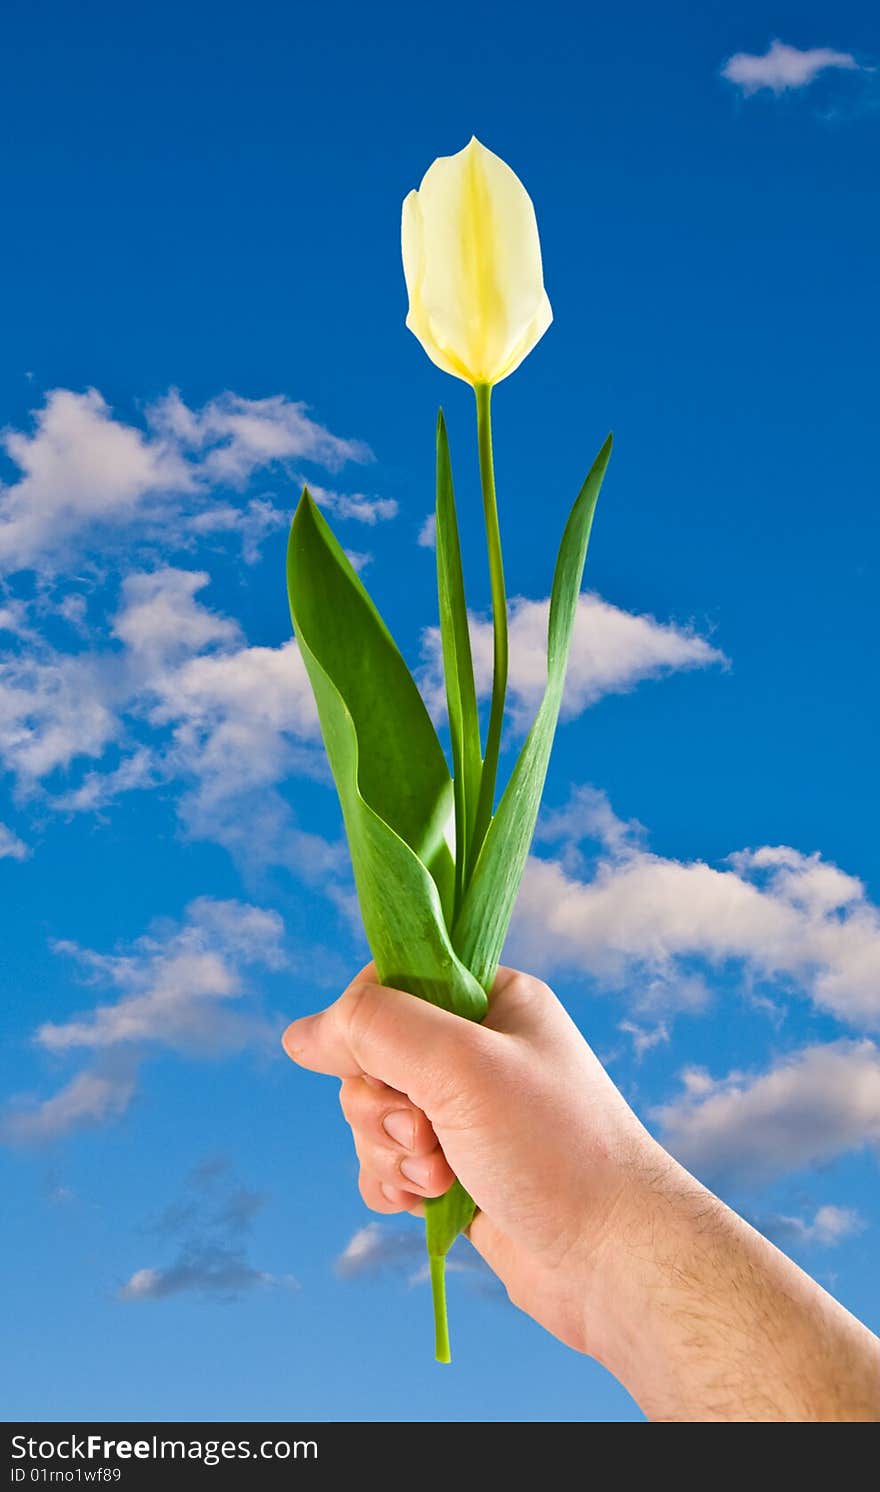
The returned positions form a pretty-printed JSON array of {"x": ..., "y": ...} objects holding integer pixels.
[
  {"x": 446, "y": 1217},
  {"x": 389, "y": 769},
  {"x": 481, "y": 927},
  {"x": 458, "y": 668}
]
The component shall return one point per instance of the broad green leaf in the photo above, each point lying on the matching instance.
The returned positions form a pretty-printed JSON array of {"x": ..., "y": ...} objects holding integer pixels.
[
  {"x": 458, "y": 668},
  {"x": 389, "y": 769},
  {"x": 481, "y": 927}
]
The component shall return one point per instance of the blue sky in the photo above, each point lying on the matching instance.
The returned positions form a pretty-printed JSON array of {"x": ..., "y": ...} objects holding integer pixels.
[{"x": 202, "y": 306}]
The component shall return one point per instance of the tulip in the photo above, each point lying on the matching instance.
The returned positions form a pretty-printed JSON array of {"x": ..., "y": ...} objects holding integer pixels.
[
  {"x": 436, "y": 915},
  {"x": 472, "y": 262}
]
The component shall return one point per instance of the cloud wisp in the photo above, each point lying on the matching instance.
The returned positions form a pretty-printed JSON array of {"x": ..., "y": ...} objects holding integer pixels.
[
  {"x": 181, "y": 987},
  {"x": 209, "y": 1232},
  {"x": 11, "y": 846},
  {"x": 612, "y": 651},
  {"x": 94, "y": 1097},
  {"x": 378, "y": 1250},
  {"x": 747, "y": 1129},
  {"x": 783, "y": 69},
  {"x": 828, "y": 1227}
]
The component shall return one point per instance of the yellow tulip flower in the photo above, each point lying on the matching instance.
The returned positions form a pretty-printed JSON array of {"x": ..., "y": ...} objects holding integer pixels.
[{"x": 472, "y": 261}]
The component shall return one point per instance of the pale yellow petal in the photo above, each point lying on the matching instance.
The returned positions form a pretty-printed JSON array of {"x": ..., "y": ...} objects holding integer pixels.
[
  {"x": 531, "y": 337},
  {"x": 411, "y": 241},
  {"x": 413, "y": 251},
  {"x": 472, "y": 260}
]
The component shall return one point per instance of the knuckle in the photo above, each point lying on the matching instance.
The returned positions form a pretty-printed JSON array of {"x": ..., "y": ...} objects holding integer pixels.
[
  {"x": 358, "y": 1102},
  {"x": 357, "y": 1010},
  {"x": 424, "y": 1138},
  {"x": 372, "y": 1196},
  {"x": 525, "y": 991},
  {"x": 433, "y": 1179},
  {"x": 384, "y": 1164}
]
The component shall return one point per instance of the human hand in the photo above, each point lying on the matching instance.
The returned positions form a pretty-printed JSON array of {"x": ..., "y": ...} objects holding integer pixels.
[
  {"x": 518, "y": 1108},
  {"x": 594, "y": 1229}
]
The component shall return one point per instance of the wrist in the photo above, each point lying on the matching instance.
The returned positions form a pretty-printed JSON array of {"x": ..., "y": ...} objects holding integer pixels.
[
  {"x": 638, "y": 1260},
  {"x": 701, "y": 1318}
]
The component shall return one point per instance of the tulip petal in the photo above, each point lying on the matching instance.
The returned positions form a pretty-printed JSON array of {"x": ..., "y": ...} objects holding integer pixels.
[
  {"x": 530, "y": 338},
  {"x": 472, "y": 262}
]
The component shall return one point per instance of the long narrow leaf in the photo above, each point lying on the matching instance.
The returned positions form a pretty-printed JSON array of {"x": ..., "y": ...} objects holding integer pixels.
[
  {"x": 458, "y": 668},
  {"x": 481, "y": 927},
  {"x": 388, "y": 766}
]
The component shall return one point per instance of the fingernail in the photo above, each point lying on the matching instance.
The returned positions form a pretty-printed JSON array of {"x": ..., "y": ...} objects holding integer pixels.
[
  {"x": 390, "y": 1193},
  {"x": 416, "y": 1170},
  {"x": 400, "y": 1125}
]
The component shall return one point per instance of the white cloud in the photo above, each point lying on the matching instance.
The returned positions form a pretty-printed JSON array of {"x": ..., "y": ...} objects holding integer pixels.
[
  {"x": 14, "y": 617},
  {"x": 87, "y": 476},
  {"x": 230, "y": 437},
  {"x": 374, "y": 1249},
  {"x": 369, "y": 510},
  {"x": 183, "y": 699},
  {"x": 828, "y": 1226},
  {"x": 238, "y": 720},
  {"x": 782, "y": 68},
  {"x": 161, "y": 620},
  {"x": 11, "y": 847},
  {"x": 91, "y": 1098},
  {"x": 644, "y": 1038},
  {"x": 184, "y": 987},
  {"x": 589, "y": 815},
  {"x": 54, "y": 707},
  {"x": 144, "y": 768},
  {"x": 427, "y": 538},
  {"x": 79, "y": 467},
  {"x": 611, "y": 652},
  {"x": 253, "y": 523},
  {"x": 811, "y": 1107},
  {"x": 181, "y": 988},
  {"x": 640, "y": 920}
]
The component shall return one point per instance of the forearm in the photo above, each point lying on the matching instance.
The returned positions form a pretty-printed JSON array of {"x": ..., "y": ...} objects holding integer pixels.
[{"x": 701, "y": 1318}]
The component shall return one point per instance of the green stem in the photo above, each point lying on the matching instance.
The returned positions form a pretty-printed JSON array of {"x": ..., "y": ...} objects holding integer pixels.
[
  {"x": 486, "y": 799},
  {"x": 438, "y": 1295}
]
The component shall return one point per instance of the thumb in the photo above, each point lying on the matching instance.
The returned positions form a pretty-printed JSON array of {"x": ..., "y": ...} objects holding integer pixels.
[{"x": 383, "y": 1033}]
